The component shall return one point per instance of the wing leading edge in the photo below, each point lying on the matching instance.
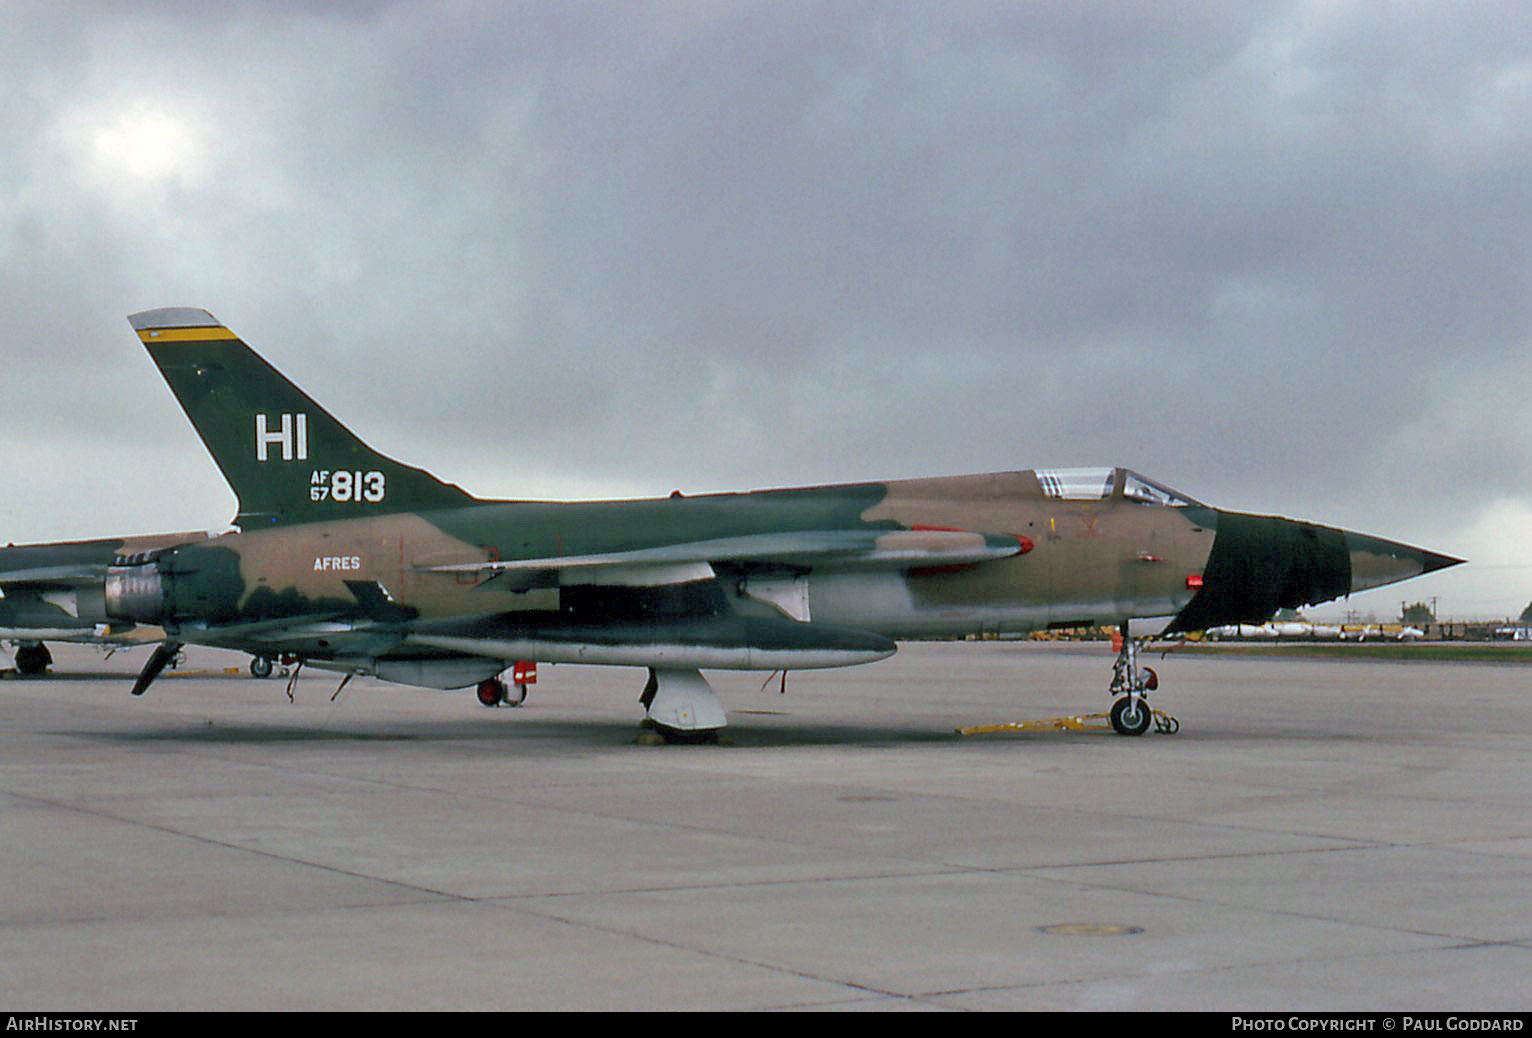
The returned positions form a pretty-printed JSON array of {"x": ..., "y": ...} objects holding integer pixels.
[{"x": 817, "y": 549}]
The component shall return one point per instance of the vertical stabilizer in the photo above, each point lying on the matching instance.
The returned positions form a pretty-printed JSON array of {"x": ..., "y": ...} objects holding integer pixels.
[{"x": 286, "y": 458}]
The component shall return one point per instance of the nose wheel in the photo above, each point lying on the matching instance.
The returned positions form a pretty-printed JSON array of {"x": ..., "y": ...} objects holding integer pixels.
[{"x": 1131, "y": 715}]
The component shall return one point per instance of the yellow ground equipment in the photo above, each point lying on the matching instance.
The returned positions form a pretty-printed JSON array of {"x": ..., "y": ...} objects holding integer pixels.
[{"x": 1094, "y": 724}]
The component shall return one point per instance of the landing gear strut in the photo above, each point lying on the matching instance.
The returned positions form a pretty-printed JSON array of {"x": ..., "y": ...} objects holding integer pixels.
[{"x": 1131, "y": 714}]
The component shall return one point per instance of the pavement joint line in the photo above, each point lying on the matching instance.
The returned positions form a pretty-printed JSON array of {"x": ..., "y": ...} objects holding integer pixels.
[
  {"x": 824, "y": 1004},
  {"x": 1354, "y": 846},
  {"x": 722, "y": 956},
  {"x": 942, "y": 867},
  {"x": 1206, "y": 969},
  {"x": 1462, "y": 939},
  {"x": 1477, "y": 830},
  {"x": 286, "y": 770},
  {"x": 226, "y": 845},
  {"x": 437, "y": 897},
  {"x": 526, "y": 903},
  {"x": 1147, "y": 974}
]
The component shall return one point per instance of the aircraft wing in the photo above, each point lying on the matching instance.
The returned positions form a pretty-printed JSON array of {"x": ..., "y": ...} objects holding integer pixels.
[
  {"x": 691, "y": 626},
  {"x": 319, "y": 634},
  {"x": 814, "y": 549}
]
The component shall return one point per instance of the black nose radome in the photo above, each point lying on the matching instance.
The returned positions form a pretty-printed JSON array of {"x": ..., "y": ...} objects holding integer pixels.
[{"x": 1261, "y": 563}]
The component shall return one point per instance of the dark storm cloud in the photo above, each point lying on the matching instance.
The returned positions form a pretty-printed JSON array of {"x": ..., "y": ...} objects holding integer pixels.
[{"x": 1273, "y": 252}]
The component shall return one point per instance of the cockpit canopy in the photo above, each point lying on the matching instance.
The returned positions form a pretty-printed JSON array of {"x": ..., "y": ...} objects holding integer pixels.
[{"x": 1098, "y": 484}]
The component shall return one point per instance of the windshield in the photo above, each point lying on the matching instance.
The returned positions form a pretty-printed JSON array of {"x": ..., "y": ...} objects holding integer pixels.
[
  {"x": 1097, "y": 484},
  {"x": 1138, "y": 488}
]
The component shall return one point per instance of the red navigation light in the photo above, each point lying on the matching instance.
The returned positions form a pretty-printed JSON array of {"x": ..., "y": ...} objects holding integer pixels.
[{"x": 1194, "y": 582}]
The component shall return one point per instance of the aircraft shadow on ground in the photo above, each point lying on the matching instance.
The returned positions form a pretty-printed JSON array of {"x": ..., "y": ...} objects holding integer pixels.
[{"x": 571, "y": 735}]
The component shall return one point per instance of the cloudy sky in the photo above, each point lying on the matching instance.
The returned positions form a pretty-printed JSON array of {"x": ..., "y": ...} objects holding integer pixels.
[{"x": 1274, "y": 254}]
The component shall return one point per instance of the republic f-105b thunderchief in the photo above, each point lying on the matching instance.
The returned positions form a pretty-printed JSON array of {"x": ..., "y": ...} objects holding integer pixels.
[{"x": 350, "y": 561}]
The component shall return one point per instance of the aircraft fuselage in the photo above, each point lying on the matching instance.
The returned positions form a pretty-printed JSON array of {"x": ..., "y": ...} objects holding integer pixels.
[{"x": 374, "y": 586}]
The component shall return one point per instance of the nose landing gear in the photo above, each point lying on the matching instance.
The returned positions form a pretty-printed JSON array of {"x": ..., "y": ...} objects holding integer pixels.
[{"x": 1131, "y": 714}]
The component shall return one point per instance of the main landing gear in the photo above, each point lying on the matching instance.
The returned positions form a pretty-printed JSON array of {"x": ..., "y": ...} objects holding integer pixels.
[
  {"x": 263, "y": 667},
  {"x": 494, "y": 692},
  {"x": 32, "y": 660}
]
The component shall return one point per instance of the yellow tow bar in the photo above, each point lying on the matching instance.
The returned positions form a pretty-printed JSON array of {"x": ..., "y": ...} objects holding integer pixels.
[{"x": 1093, "y": 724}]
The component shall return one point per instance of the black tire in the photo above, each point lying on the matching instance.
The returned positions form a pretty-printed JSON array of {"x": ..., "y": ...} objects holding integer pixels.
[
  {"x": 677, "y": 737},
  {"x": 32, "y": 660},
  {"x": 1131, "y": 716},
  {"x": 491, "y": 692},
  {"x": 260, "y": 666}
]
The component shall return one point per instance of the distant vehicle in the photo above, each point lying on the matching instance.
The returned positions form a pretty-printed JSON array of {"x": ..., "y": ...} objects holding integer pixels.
[
  {"x": 1304, "y": 631},
  {"x": 1393, "y": 632},
  {"x": 1272, "y": 630}
]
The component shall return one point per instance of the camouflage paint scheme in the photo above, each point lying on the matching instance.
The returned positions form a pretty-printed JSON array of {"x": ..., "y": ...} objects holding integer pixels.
[
  {"x": 349, "y": 559},
  {"x": 54, "y": 592}
]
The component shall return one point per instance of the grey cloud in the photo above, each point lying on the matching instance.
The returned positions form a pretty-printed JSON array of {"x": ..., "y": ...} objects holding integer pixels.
[{"x": 1271, "y": 252}]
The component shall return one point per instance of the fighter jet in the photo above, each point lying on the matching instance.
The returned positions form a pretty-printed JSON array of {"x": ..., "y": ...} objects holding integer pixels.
[
  {"x": 56, "y": 592},
  {"x": 348, "y": 560}
]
